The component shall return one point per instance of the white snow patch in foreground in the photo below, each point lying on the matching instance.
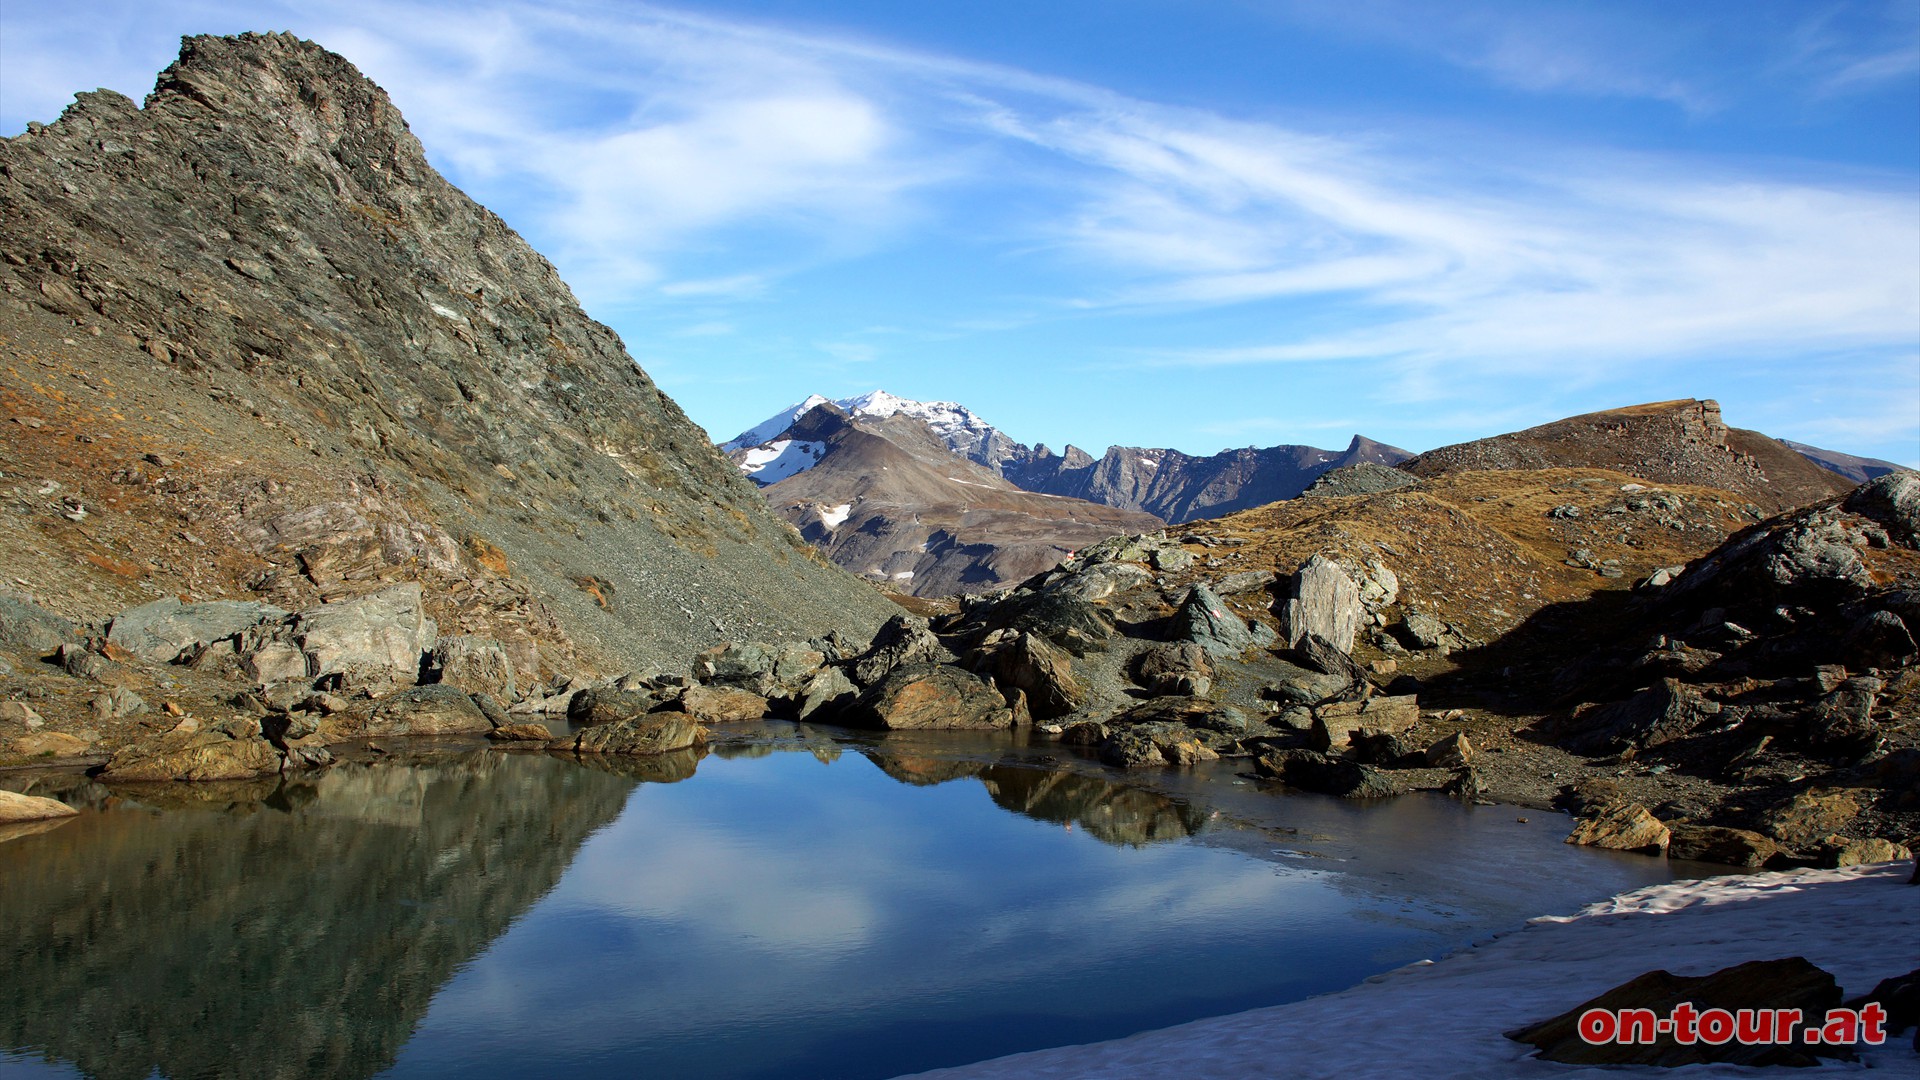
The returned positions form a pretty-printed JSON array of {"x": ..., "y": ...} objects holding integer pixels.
[
  {"x": 1445, "y": 1018},
  {"x": 833, "y": 518},
  {"x": 776, "y": 461}
]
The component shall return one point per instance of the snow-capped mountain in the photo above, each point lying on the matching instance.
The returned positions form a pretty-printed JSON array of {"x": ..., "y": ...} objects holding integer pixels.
[{"x": 964, "y": 432}]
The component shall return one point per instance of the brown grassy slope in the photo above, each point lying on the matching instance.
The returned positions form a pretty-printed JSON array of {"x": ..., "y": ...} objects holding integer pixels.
[
  {"x": 1480, "y": 549},
  {"x": 1668, "y": 442}
]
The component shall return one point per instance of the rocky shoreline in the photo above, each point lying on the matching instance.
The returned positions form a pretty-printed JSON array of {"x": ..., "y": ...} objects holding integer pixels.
[{"x": 1132, "y": 655}]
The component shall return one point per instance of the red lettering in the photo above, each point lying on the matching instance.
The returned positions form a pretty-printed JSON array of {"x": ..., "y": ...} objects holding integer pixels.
[
  {"x": 1784, "y": 1021},
  {"x": 1683, "y": 1021},
  {"x": 1873, "y": 1021},
  {"x": 1716, "y": 1026},
  {"x": 1638, "y": 1026},
  {"x": 1751, "y": 1026},
  {"x": 1597, "y": 1026},
  {"x": 1843, "y": 1028}
]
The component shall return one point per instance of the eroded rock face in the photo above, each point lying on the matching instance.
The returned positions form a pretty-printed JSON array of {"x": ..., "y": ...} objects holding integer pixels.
[
  {"x": 428, "y": 710},
  {"x": 722, "y": 705},
  {"x": 217, "y": 754},
  {"x": 162, "y": 631},
  {"x": 1044, "y": 673},
  {"x": 1622, "y": 827}
]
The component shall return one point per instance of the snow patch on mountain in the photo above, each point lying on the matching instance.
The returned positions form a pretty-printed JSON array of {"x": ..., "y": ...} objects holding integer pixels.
[
  {"x": 834, "y": 517},
  {"x": 771, "y": 426},
  {"x": 775, "y": 461}
]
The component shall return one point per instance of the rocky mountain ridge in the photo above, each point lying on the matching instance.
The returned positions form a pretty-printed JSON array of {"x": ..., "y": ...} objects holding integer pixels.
[
  {"x": 256, "y": 347},
  {"x": 1168, "y": 484}
]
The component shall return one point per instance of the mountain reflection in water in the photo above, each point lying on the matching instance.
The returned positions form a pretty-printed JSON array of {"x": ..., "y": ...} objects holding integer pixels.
[
  {"x": 271, "y": 930},
  {"x": 860, "y": 912}
]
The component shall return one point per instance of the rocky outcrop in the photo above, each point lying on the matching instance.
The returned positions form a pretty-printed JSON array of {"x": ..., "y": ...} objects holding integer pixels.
[
  {"x": 1323, "y": 602},
  {"x": 656, "y": 733},
  {"x": 349, "y": 374}
]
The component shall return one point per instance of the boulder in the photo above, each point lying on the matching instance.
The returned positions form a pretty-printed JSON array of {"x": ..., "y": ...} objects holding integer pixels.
[
  {"x": 1843, "y": 851},
  {"x": 1452, "y": 752},
  {"x": 375, "y": 641},
  {"x": 722, "y": 704},
  {"x": 1309, "y": 770},
  {"x": 1189, "y": 712},
  {"x": 1205, "y": 619},
  {"x": 20, "y": 713},
  {"x": 27, "y": 626},
  {"x": 478, "y": 665},
  {"x": 1148, "y": 745},
  {"x": 921, "y": 696},
  {"x": 905, "y": 639},
  {"x": 50, "y": 744},
  {"x": 1841, "y": 722},
  {"x": 1812, "y": 815},
  {"x": 1181, "y": 668},
  {"x": 1030, "y": 664},
  {"x": 1661, "y": 713},
  {"x": 427, "y": 710},
  {"x": 826, "y": 693},
  {"x": 161, "y": 631},
  {"x": 529, "y": 733},
  {"x": 1791, "y": 983},
  {"x": 1323, "y": 601},
  {"x": 1878, "y": 639},
  {"x": 1622, "y": 827},
  {"x": 1719, "y": 844},
  {"x": 747, "y": 666},
  {"x": 1071, "y": 622},
  {"x": 656, "y": 733},
  {"x": 1101, "y": 580},
  {"x": 1318, "y": 655},
  {"x": 1386, "y": 751},
  {"x": 1337, "y": 723},
  {"x": 1893, "y": 500},
  {"x": 15, "y": 808},
  {"x": 1424, "y": 631},
  {"x": 607, "y": 705}
]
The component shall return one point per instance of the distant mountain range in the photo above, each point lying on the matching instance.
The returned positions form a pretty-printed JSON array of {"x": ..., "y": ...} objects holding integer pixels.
[
  {"x": 1166, "y": 483},
  {"x": 882, "y": 489},
  {"x": 932, "y": 499}
]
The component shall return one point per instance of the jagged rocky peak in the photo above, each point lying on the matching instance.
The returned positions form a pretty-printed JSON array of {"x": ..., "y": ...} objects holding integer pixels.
[
  {"x": 341, "y": 352},
  {"x": 962, "y": 430}
]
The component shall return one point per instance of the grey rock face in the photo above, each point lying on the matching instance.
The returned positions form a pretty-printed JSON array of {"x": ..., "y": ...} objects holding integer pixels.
[
  {"x": 374, "y": 640},
  {"x": 30, "y": 627},
  {"x": 428, "y": 710},
  {"x": 161, "y": 631},
  {"x": 905, "y": 639},
  {"x": 475, "y": 664},
  {"x": 1205, "y": 619},
  {"x": 1325, "y": 603}
]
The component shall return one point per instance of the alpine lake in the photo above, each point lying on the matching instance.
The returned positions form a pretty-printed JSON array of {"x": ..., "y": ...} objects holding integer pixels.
[{"x": 795, "y": 902}]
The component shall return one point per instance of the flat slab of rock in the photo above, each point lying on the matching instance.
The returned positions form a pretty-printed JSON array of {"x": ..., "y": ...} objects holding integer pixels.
[
  {"x": 920, "y": 697},
  {"x": 195, "y": 756},
  {"x": 160, "y": 631},
  {"x": 1622, "y": 827},
  {"x": 655, "y": 733},
  {"x": 16, "y": 808},
  {"x": 1336, "y": 724},
  {"x": 530, "y": 733},
  {"x": 722, "y": 704}
]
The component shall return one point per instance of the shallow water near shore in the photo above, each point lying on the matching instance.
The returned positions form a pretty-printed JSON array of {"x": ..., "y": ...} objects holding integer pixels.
[{"x": 799, "y": 903}]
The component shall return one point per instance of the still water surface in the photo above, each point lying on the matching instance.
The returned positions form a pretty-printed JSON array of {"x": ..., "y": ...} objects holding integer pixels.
[{"x": 797, "y": 904}]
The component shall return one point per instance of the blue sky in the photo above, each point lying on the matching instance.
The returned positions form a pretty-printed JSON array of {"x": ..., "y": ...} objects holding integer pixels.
[{"x": 1187, "y": 223}]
